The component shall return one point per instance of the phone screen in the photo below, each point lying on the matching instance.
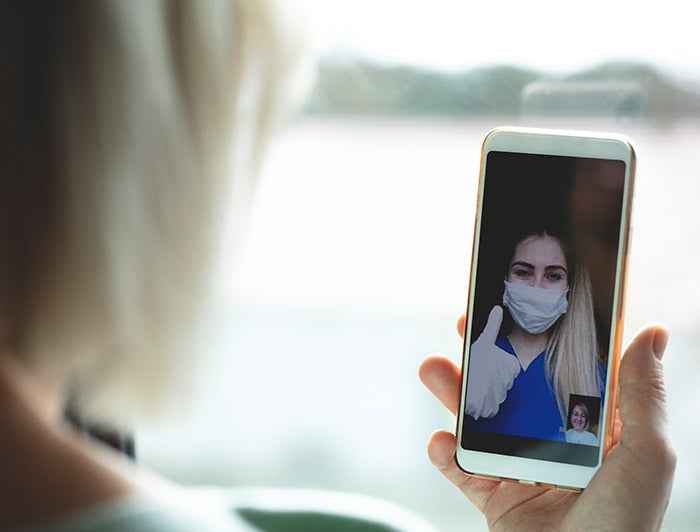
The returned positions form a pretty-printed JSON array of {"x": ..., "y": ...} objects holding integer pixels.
[{"x": 548, "y": 255}]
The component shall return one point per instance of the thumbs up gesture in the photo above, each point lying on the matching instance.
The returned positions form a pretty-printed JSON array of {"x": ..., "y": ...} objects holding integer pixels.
[{"x": 491, "y": 370}]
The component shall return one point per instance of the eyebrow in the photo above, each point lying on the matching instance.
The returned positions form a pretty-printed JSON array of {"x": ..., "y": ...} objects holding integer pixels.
[{"x": 531, "y": 266}]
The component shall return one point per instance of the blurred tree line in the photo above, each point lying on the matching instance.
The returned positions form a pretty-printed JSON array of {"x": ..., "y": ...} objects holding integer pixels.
[{"x": 357, "y": 87}]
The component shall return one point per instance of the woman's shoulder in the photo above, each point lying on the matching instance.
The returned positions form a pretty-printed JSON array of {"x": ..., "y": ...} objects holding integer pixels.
[
  {"x": 147, "y": 513},
  {"x": 591, "y": 438},
  {"x": 211, "y": 509},
  {"x": 584, "y": 437}
]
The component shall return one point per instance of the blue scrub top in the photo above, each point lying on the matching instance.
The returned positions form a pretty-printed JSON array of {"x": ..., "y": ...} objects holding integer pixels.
[{"x": 530, "y": 408}]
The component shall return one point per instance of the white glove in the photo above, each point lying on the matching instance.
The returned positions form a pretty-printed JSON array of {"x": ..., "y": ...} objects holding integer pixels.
[{"x": 491, "y": 370}]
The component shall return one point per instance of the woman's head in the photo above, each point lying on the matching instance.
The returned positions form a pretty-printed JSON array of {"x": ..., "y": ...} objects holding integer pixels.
[
  {"x": 120, "y": 122},
  {"x": 579, "y": 417},
  {"x": 537, "y": 281},
  {"x": 539, "y": 260}
]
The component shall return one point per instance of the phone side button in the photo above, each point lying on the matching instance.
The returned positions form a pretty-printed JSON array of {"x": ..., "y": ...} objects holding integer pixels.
[
  {"x": 569, "y": 488},
  {"x": 487, "y": 477},
  {"x": 528, "y": 482}
]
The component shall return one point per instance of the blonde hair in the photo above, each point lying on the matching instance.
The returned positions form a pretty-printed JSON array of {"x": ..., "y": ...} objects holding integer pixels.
[
  {"x": 121, "y": 121},
  {"x": 571, "y": 359}
]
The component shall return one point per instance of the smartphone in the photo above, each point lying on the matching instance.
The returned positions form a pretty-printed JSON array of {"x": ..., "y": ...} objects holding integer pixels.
[{"x": 545, "y": 305}]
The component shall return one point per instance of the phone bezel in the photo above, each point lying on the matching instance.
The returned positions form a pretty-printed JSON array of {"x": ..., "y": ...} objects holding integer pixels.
[{"x": 573, "y": 144}]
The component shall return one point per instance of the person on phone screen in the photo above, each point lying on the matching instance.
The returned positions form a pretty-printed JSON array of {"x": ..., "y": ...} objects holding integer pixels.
[
  {"x": 519, "y": 383},
  {"x": 580, "y": 422}
]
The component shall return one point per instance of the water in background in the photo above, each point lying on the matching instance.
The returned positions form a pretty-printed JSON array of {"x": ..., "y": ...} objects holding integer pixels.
[{"x": 354, "y": 268}]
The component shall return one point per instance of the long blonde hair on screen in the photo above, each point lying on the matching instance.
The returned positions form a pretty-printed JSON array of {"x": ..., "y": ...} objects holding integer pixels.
[
  {"x": 571, "y": 359},
  {"x": 125, "y": 128}
]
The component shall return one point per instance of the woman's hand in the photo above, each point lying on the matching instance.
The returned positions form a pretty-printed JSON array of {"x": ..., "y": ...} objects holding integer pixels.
[
  {"x": 631, "y": 489},
  {"x": 493, "y": 370}
]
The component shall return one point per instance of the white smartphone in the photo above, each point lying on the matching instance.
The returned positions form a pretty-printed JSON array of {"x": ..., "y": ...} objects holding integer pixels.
[{"x": 545, "y": 307}]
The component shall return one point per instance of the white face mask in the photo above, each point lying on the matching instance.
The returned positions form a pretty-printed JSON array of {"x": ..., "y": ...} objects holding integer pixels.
[{"x": 534, "y": 309}]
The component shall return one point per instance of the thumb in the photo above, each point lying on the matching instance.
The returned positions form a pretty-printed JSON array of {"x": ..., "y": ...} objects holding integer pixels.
[
  {"x": 642, "y": 398},
  {"x": 493, "y": 325},
  {"x": 635, "y": 480}
]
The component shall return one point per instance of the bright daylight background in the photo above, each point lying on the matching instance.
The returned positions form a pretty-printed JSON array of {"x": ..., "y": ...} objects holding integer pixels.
[{"x": 355, "y": 263}]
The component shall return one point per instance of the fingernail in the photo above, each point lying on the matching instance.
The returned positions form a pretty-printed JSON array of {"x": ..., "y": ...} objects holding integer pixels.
[{"x": 660, "y": 341}]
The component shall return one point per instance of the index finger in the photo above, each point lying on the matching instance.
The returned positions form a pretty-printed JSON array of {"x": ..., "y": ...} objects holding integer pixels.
[
  {"x": 462, "y": 325},
  {"x": 442, "y": 377}
]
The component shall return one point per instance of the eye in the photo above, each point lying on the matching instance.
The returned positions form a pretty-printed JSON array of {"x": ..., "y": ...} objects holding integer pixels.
[
  {"x": 521, "y": 273},
  {"x": 554, "y": 277}
]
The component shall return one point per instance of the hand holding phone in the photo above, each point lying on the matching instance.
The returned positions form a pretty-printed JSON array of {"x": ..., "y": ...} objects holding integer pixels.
[
  {"x": 494, "y": 371},
  {"x": 564, "y": 316},
  {"x": 631, "y": 489}
]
